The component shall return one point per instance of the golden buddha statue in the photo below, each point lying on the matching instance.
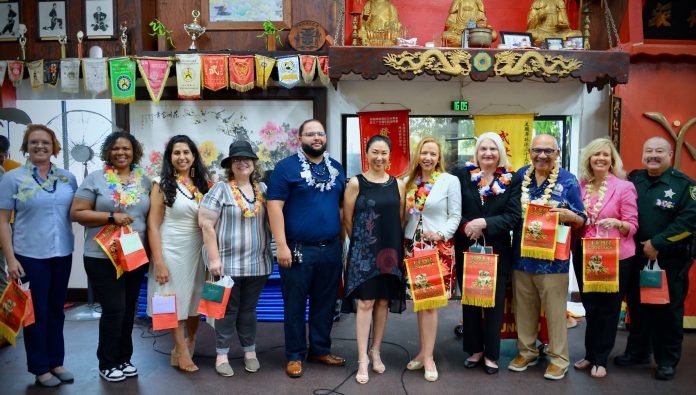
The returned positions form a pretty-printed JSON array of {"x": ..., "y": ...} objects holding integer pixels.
[
  {"x": 460, "y": 13},
  {"x": 379, "y": 23},
  {"x": 547, "y": 19}
]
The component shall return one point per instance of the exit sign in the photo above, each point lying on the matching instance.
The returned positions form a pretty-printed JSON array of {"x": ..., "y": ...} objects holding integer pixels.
[{"x": 460, "y": 105}]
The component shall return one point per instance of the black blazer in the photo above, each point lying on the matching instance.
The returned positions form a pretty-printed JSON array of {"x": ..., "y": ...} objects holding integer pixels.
[{"x": 501, "y": 212}]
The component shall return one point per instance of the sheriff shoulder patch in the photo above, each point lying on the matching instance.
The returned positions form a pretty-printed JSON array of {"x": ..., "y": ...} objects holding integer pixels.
[{"x": 692, "y": 192}]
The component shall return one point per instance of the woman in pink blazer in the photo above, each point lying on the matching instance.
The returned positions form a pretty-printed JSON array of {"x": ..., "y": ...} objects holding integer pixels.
[{"x": 611, "y": 207}]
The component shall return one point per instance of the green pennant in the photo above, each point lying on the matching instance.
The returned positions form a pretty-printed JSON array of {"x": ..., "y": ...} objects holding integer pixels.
[{"x": 122, "y": 73}]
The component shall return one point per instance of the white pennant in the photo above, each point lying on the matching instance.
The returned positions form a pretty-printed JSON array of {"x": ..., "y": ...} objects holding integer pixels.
[
  {"x": 188, "y": 76},
  {"x": 288, "y": 71},
  {"x": 70, "y": 75},
  {"x": 94, "y": 75}
]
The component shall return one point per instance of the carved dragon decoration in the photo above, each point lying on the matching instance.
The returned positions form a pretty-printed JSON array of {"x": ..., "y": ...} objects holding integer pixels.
[
  {"x": 449, "y": 62},
  {"x": 528, "y": 63}
]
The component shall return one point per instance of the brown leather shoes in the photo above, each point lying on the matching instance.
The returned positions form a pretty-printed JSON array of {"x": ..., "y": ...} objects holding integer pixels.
[
  {"x": 328, "y": 359},
  {"x": 294, "y": 369}
]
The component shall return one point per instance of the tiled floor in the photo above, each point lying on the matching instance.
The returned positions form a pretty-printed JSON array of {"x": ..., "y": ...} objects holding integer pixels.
[{"x": 157, "y": 377}]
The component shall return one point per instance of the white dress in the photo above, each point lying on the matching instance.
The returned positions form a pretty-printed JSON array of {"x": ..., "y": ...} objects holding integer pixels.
[{"x": 182, "y": 242}]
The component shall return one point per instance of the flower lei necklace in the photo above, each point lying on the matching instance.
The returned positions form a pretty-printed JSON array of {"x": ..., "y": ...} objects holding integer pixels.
[
  {"x": 25, "y": 192},
  {"x": 257, "y": 201},
  {"x": 309, "y": 177},
  {"x": 416, "y": 195},
  {"x": 553, "y": 177},
  {"x": 589, "y": 188},
  {"x": 190, "y": 186},
  {"x": 128, "y": 194},
  {"x": 501, "y": 178}
]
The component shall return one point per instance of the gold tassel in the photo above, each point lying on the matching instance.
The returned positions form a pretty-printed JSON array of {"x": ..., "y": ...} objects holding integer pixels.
[
  {"x": 601, "y": 287},
  {"x": 242, "y": 88},
  {"x": 478, "y": 301},
  {"x": 432, "y": 303},
  {"x": 7, "y": 333},
  {"x": 531, "y": 252}
]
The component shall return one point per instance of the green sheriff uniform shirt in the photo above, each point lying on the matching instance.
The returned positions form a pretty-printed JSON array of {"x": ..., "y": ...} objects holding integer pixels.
[{"x": 666, "y": 213}]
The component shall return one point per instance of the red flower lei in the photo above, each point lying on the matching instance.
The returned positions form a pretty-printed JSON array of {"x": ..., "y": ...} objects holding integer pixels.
[{"x": 244, "y": 205}]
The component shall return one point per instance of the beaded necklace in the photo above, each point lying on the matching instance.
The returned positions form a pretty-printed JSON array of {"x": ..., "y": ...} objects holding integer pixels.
[
  {"x": 418, "y": 193},
  {"x": 25, "y": 192},
  {"x": 308, "y": 174},
  {"x": 189, "y": 185},
  {"x": 543, "y": 200},
  {"x": 128, "y": 194},
  {"x": 589, "y": 188},
  {"x": 240, "y": 198},
  {"x": 501, "y": 178}
]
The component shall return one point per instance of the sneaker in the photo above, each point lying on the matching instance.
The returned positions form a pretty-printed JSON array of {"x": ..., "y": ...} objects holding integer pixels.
[
  {"x": 520, "y": 363},
  {"x": 113, "y": 375},
  {"x": 554, "y": 372},
  {"x": 128, "y": 369}
]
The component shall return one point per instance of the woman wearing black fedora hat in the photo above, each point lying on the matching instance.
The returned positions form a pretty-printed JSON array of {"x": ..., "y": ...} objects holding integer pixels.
[{"x": 237, "y": 240}]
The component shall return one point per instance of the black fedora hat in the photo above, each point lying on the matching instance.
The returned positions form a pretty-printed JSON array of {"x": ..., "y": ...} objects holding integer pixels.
[{"x": 239, "y": 149}]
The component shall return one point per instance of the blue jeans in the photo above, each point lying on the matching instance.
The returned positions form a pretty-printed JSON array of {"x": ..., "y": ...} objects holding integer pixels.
[
  {"x": 48, "y": 282},
  {"x": 318, "y": 277}
]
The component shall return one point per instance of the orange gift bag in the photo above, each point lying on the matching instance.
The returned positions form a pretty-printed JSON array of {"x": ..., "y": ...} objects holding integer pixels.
[
  {"x": 209, "y": 304},
  {"x": 131, "y": 252},
  {"x": 29, "y": 317},
  {"x": 653, "y": 284},
  {"x": 164, "y": 312}
]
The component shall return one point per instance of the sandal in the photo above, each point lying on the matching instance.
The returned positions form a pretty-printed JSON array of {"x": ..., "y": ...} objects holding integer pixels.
[
  {"x": 598, "y": 371},
  {"x": 184, "y": 365},
  {"x": 582, "y": 364},
  {"x": 362, "y": 378},
  {"x": 377, "y": 367}
]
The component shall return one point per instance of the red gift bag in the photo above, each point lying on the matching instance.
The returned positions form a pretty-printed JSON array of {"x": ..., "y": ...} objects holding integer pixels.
[
  {"x": 131, "y": 252},
  {"x": 562, "y": 247},
  {"x": 13, "y": 307},
  {"x": 164, "y": 312},
  {"x": 650, "y": 292},
  {"x": 214, "y": 309},
  {"x": 29, "y": 311}
]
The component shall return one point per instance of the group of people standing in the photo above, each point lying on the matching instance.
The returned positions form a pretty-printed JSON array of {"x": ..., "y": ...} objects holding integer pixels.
[{"x": 189, "y": 224}]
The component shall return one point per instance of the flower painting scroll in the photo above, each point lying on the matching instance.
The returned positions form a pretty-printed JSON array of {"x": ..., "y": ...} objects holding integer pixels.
[{"x": 245, "y": 14}]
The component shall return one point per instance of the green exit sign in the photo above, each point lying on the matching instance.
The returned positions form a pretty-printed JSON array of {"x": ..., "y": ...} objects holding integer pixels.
[{"x": 460, "y": 105}]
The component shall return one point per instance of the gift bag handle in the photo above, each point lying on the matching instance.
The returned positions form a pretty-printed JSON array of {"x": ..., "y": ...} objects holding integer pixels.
[
  {"x": 429, "y": 243},
  {"x": 476, "y": 242},
  {"x": 655, "y": 267},
  {"x": 606, "y": 232},
  {"x": 126, "y": 227}
]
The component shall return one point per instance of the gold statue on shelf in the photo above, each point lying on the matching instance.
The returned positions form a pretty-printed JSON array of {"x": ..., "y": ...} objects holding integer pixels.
[
  {"x": 379, "y": 24},
  {"x": 547, "y": 19},
  {"x": 461, "y": 12}
]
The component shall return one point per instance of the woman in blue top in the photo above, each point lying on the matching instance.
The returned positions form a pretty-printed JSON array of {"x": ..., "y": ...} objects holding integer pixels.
[{"x": 38, "y": 247}]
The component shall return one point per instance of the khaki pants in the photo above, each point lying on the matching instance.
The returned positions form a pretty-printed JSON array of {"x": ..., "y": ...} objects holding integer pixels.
[{"x": 530, "y": 292}]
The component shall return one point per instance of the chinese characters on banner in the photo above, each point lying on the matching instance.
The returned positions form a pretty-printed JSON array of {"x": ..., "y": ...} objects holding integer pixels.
[
  {"x": 515, "y": 131},
  {"x": 392, "y": 124}
]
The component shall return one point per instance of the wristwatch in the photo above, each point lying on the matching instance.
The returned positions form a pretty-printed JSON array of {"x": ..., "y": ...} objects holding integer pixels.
[{"x": 112, "y": 220}]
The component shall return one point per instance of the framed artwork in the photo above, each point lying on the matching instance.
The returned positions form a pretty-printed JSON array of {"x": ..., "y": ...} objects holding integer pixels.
[
  {"x": 51, "y": 20},
  {"x": 9, "y": 21},
  {"x": 516, "y": 39},
  {"x": 100, "y": 19},
  {"x": 575, "y": 42},
  {"x": 245, "y": 14},
  {"x": 554, "y": 43}
]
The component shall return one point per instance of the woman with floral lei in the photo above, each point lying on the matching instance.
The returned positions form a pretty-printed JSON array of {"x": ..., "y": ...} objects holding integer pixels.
[
  {"x": 490, "y": 210},
  {"x": 237, "y": 240},
  {"x": 612, "y": 211},
  {"x": 38, "y": 247},
  {"x": 176, "y": 241},
  {"x": 118, "y": 194},
  {"x": 433, "y": 213}
]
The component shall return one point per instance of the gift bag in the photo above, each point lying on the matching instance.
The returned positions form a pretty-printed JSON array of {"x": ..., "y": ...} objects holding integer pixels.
[
  {"x": 653, "y": 285},
  {"x": 480, "y": 277},
  {"x": 562, "y": 243},
  {"x": 13, "y": 307},
  {"x": 424, "y": 277},
  {"x": 106, "y": 238},
  {"x": 131, "y": 252},
  {"x": 164, "y": 312},
  {"x": 29, "y": 313},
  {"x": 209, "y": 304},
  {"x": 600, "y": 263}
]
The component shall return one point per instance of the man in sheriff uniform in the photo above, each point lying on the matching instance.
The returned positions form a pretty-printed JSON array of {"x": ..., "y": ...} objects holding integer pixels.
[{"x": 666, "y": 226}]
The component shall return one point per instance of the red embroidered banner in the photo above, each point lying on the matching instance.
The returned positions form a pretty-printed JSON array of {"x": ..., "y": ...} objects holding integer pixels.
[
  {"x": 600, "y": 264},
  {"x": 479, "y": 279},
  {"x": 214, "y": 72},
  {"x": 539, "y": 232},
  {"x": 394, "y": 125},
  {"x": 425, "y": 280},
  {"x": 242, "y": 73}
]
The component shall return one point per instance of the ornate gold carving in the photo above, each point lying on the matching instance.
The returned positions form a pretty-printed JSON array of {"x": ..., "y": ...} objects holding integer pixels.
[
  {"x": 455, "y": 62},
  {"x": 679, "y": 137},
  {"x": 530, "y": 63}
]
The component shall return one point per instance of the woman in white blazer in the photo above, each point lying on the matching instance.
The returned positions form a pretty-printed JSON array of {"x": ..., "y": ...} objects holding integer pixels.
[{"x": 433, "y": 212}]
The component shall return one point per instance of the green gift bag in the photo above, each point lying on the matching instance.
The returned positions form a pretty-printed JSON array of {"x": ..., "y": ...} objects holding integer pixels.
[{"x": 213, "y": 292}]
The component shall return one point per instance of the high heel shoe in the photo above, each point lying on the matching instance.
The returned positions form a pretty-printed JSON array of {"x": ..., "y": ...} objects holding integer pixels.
[
  {"x": 377, "y": 368},
  {"x": 362, "y": 378},
  {"x": 188, "y": 368},
  {"x": 414, "y": 365}
]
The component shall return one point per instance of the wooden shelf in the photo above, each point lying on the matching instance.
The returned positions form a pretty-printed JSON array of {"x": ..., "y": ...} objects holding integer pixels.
[{"x": 598, "y": 68}]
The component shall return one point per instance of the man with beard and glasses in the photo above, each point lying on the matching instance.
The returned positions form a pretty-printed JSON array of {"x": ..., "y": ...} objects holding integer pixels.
[
  {"x": 304, "y": 196},
  {"x": 539, "y": 282},
  {"x": 666, "y": 227}
]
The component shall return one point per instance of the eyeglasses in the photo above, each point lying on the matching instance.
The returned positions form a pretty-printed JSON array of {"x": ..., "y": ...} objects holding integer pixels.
[
  {"x": 237, "y": 160},
  {"x": 546, "y": 151},
  {"x": 314, "y": 134}
]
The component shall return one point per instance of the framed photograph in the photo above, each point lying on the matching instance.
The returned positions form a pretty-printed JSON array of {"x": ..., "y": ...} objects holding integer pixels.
[
  {"x": 516, "y": 39},
  {"x": 245, "y": 14},
  {"x": 100, "y": 19},
  {"x": 51, "y": 20},
  {"x": 9, "y": 21},
  {"x": 554, "y": 43},
  {"x": 575, "y": 42}
]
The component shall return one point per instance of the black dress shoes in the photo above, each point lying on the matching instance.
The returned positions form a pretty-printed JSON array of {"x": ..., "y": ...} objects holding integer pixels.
[
  {"x": 664, "y": 372},
  {"x": 630, "y": 360},
  {"x": 490, "y": 369},
  {"x": 472, "y": 364}
]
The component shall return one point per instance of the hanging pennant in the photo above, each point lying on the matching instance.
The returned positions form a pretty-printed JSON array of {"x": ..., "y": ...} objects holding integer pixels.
[
  {"x": 214, "y": 72},
  {"x": 425, "y": 280},
  {"x": 15, "y": 71},
  {"x": 288, "y": 71},
  {"x": 51, "y": 72},
  {"x": 242, "y": 73},
  {"x": 479, "y": 279},
  {"x": 308, "y": 63},
  {"x": 70, "y": 75},
  {"x": 188, "y": 77},
  {"x": 122, "y": 73},
  {"x": 323, "y": 67},
  {"x": 94, "y": 75},
  {"x": 3, "y": 67},
  {"x": 600, "y": 264},
  {"x": 264, "y": 67},
  {"x": 539, "y": 232},
  {"x": 155, "y": 73},
  {"x": 36, "y": 73}
]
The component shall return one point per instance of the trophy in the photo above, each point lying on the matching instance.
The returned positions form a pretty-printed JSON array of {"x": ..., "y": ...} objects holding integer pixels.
[
  {"x": 194, "y": 29},
  {"x": 23, "y": 40}
]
